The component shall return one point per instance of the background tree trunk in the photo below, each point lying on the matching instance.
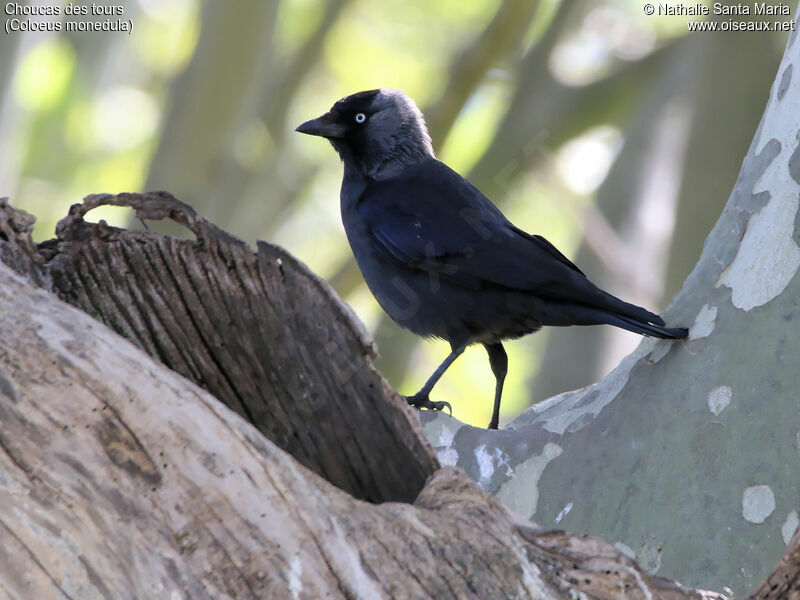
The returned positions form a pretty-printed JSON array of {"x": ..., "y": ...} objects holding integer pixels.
[
  {"x": 691, "y": 109},
  {"x": 686, "y": 453}
]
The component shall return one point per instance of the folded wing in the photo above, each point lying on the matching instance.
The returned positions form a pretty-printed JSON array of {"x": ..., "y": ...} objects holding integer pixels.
[{"x": 431, "y": 219}]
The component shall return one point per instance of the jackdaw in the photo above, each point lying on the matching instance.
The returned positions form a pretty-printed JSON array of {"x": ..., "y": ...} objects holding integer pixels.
[{"x": 439, "y": 256}]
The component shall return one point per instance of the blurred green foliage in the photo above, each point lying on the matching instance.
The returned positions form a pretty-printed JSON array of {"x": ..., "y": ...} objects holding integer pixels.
[{"x": 86, "y": 113}]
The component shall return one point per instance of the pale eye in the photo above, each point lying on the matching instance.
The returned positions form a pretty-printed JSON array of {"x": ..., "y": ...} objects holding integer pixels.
[{"x": 361, "y": 117}]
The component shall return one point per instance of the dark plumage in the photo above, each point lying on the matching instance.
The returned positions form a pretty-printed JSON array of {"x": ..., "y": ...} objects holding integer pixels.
[{"x": 440, "y": 258}]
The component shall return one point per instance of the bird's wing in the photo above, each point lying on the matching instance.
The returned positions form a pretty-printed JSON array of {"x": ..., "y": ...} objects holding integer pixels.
[
  {"x": 430, "y": 218},
  {"x": 546, "y": 245}
]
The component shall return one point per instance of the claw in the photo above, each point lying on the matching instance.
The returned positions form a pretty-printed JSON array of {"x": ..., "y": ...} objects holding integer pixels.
[{"x": 418, "y": 401}]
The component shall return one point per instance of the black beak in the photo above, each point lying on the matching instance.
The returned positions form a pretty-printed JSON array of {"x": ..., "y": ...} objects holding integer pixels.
[{"x": 325, "y": 126}]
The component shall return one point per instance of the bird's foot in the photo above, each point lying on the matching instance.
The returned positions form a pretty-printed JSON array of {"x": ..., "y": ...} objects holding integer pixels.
[{"x": 422, "y": 401}]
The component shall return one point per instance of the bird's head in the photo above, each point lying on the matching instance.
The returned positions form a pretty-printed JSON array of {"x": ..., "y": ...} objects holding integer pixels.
[{"x": 374, "y": 132}]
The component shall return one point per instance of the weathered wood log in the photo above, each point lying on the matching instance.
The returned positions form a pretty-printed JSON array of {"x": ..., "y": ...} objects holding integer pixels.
[
  {"x": 17, "y": 249},
  {"x": 257, "y": 329}
]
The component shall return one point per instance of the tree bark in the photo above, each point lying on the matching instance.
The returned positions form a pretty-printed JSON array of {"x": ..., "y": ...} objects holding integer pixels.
[
  {"x": 123, "y": 479},
  {"x": 256, "y": 329}
]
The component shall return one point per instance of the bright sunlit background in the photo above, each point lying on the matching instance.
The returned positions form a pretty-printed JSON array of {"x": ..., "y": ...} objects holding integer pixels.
[{"x": 590, "y": 123}]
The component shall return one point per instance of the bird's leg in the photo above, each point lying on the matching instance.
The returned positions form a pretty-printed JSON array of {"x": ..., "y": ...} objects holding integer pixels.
[
  {"x": 421, "y": 399},
  {"x": 499, "y": 363}
]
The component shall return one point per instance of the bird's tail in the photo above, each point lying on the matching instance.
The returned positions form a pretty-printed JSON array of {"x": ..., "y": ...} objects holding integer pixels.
[
  {"x": 626, "y": 316},
  {"x": 646, "y": 328},
  {"x": 613, "y": 311}
]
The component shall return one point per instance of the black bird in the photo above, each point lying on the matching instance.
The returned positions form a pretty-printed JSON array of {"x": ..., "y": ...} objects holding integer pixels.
[{"x": 440, "y": 258}]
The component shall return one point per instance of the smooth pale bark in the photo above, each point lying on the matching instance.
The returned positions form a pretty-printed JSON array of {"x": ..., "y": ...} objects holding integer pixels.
[{"x": 687, "y": 453}]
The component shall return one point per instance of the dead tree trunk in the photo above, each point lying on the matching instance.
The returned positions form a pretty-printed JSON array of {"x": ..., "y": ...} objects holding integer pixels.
[{"x": 256, "y": 329}]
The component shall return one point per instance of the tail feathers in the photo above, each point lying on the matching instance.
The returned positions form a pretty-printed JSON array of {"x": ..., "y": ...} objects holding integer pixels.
[
  {"x": 649, "y": 324},
  {"x": 637, "y": 319},
  {"x": 648, "y": 329},
  {"x": 626, "y": 310}
]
